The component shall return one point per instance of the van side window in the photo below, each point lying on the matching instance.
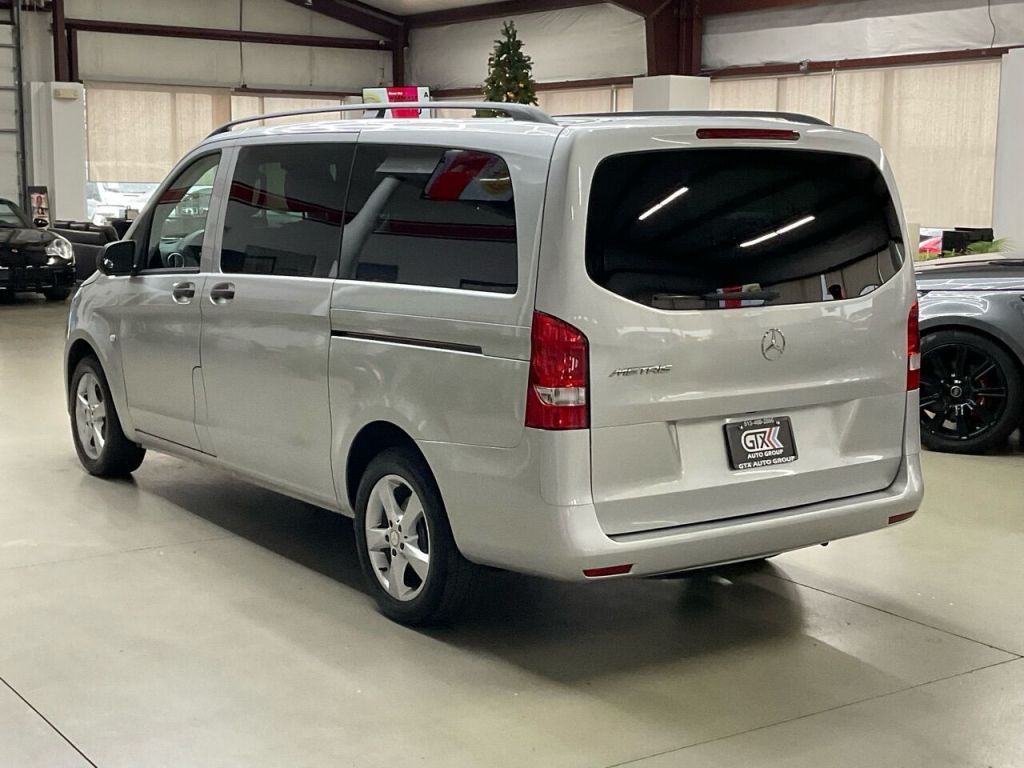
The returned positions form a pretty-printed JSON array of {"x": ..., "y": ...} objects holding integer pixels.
[
  {"x": 430, "y": 216},
  {"x": 285, "y": 209},
  {"x": 177, "y": 227}
]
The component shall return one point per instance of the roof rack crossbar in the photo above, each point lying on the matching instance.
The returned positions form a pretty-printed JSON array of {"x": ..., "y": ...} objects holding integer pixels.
[
  {"x": 793, "y": 117},
  {"x": 520, "y": 112}
]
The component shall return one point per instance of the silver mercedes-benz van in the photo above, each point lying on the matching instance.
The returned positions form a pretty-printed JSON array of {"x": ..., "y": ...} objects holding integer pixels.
[{"x": 582, "y": 347}]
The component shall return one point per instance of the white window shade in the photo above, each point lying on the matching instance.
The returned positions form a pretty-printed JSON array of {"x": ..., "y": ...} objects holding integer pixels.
[
  {"x": 138, "y": 134},
  {"x": 248, "y": 106},
  {"x": 624, "y": 98},
  {"x": 809, "y": 95},
  {"x": 760, "y": 93},
  {"x": 937, "y": 125},
  {"x": 576, "y": 101}
]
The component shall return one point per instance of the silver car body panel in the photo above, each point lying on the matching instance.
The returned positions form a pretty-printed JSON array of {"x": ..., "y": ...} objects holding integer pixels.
[{"x": 294, "y": 369}]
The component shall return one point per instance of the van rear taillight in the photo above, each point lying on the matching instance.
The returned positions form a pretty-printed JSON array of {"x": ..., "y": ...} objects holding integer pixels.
[
  {"x": 769, "y": 134},
  {"x": 557, "y": 392},
  {"x": 913, "y": 349}
]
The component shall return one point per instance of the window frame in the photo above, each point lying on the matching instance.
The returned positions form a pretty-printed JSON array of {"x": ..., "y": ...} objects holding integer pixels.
[
  {"x": 442, "y": 147},
  {"x": 346, "y": 137},
  {"x": 144, "y": 227}
]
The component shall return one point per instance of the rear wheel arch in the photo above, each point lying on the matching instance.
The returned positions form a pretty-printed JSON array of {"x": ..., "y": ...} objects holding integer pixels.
[{"x": 371, "y": 440}]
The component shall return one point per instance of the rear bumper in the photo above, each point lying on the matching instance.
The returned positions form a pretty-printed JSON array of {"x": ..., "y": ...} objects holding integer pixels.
[
  {"x": 528, "y": 509},
  {"x": 700, "y": 545},
  {"x": 36, "y": 278}
]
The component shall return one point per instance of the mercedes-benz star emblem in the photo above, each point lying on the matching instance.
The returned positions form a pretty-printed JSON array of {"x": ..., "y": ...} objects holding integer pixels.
[{"x": 773, "y": 344}]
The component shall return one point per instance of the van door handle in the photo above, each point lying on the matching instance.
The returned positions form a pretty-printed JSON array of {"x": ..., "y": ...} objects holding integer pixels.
[
  {"x": 183, "y": 293},
  {"x": 222, "y": 293}
]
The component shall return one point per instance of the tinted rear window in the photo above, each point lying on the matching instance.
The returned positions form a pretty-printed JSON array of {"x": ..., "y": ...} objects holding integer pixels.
[{"x": 721, "y": 228}]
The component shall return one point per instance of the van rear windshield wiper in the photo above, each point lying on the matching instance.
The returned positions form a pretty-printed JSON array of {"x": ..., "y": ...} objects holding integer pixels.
[{"x": 740, "y": 295}]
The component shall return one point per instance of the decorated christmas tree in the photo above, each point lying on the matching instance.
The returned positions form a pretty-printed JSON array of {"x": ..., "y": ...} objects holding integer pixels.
[{"x": 509, "y": 70}]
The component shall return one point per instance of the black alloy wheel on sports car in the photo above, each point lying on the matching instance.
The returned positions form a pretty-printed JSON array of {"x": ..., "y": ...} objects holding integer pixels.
[{"x": 971, "y": 392}]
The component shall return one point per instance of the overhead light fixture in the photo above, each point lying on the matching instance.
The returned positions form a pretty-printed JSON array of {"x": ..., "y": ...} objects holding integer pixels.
[
  {"x": 663, "y": 203},
  {"x": 777, "y": 232}
]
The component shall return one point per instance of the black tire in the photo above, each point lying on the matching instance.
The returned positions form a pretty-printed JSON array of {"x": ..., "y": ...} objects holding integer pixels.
[
  {"x": 118, "y": 455},
  {"x": 450, "y": 579},
  {"x": 987, "y": 382},
  {"x": 57, "y": 294}
]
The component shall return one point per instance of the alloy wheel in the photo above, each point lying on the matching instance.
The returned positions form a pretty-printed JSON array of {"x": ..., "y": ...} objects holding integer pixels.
[
  {"x": 91, "y": 415},
  {"x": 397, "y": 538},
  {"x": 963, "y": 391}
]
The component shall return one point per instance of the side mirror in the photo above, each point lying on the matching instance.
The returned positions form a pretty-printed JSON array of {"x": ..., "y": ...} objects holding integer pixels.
[
  {"x": 117, "y": 258},
  {"x": 40, "y": 222}
]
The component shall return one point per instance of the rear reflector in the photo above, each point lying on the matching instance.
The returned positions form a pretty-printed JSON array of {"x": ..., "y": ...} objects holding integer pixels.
[
  {"x": 610, "y": 570},
  {"x": 900, "y": 518},
  {"x": 556, "y": 397},
  {"x": 913, "y": 349},
  {"x": 769, "y": 134}
]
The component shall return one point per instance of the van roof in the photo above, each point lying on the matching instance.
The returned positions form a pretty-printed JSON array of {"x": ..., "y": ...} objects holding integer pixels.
[{"x": 526, "y": 117}]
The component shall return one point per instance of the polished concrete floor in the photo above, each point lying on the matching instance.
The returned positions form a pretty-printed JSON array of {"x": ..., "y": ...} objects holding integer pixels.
[{"x": 187, "y": 619}]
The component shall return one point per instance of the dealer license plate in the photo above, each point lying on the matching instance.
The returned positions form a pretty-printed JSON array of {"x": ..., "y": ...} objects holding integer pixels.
[{"x": 764, "y": 442}]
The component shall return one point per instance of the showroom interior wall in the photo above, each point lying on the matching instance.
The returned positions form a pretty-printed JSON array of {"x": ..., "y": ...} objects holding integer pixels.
[
  {"x": 1007, "y": 218},
  {"x": 937, "y": 124},
  {"x": 859, "y": 29},
  {"x": 596, "y": 41},
  {"x": 175, "y": 75},
  {"x": 923, "y": 115},
  {"x": 173, "y": 61}
]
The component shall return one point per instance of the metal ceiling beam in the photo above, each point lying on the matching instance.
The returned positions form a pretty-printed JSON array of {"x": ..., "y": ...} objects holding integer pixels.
[
  {"x": 230, "y": 35},
  {"x": 357, "y": 14},
  {"x": 61, "y": 62},
  {"x": 871, "y": 62}
]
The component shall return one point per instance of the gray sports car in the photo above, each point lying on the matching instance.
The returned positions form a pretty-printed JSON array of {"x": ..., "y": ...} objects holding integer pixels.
[{"x": 972, "y": 351}]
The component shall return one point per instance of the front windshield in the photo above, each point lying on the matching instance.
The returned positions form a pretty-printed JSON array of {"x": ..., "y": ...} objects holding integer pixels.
[{"x": 11, "y": 215}]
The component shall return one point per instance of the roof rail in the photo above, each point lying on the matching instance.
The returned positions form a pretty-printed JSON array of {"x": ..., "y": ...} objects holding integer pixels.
[
  {"x": 793, "y": 117},
  {"x": 521, "y": 112}
]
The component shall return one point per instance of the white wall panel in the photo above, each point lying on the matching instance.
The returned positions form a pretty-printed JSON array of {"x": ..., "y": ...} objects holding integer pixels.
[
  {"x": 198, "y": 13},
  {"x": 1008, "y": 198},
  {"x": 133, "y": 59},
  {"x": 9, "y": 166},
  {"x": 279, "y": 16},
  {"x": 178, "y": 61},
  {"x": 859, "y": 29},
  {"x": 173, "y": 61},
  {"x": 571, "y": 44},
  {"x": 323, "y": 69},
  {"x": 257, "y": 15}
]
